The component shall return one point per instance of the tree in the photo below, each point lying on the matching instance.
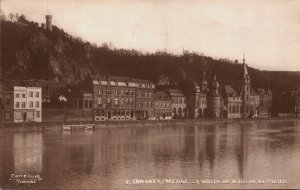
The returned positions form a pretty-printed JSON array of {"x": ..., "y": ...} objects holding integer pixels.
[
  {"x": 22, "y": 19},
  {"x": 2, "y": 17},
  {"x": 17, "y": 16},
  {"x": 11, "y": 17}
]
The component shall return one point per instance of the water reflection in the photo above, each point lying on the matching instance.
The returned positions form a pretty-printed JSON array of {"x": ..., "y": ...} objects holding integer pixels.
[
  {"x": 28, "y": 153},
  {"x": 104, "y": 158}
]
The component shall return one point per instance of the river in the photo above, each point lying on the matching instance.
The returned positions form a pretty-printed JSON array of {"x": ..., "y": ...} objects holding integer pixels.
[{"x": 235, "y": 155}]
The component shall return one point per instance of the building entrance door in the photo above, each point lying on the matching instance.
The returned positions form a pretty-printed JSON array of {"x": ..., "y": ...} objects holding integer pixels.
[
  {"x": 109, "y": 114},
  {"x": 24, "y": 116}
]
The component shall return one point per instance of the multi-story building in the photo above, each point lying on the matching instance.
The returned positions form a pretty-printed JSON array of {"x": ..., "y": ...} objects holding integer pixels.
[
  {"x": 27, "y": 104},
  {"x": 6, "y": 104},
  {"x": 179, "y": 103},
  {"x": 122, "y": 98},
  {"x": 232, "y": 103},
  {"x": 253, "y": 104},
  {"x": 144, "y": 107},
  {"x": 197, "y": 94},
  {"x": 265, "y": 103},
  {"x": 162, "y": 105},
  {"x": 81, "y": 100},
  {"x": 163, "y": 80}
]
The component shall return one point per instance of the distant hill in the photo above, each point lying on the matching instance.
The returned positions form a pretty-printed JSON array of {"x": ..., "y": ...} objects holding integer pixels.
[{"x": 31, "y": 52}]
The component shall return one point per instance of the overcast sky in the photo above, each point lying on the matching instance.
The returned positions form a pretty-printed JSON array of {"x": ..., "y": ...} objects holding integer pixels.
[{"x": 267, "y": 30}]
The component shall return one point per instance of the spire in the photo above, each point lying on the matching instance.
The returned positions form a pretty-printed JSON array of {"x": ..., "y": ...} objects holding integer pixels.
[
  {"x": 214, "y": 87},
  {"x": 244, "y": 75}
]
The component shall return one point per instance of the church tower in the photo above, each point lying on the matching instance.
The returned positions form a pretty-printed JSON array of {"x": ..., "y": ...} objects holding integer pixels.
[
  {"x": 214, "y": 99},
  {"x": 203, "y": 81},
  {"x": 245, "y": 89}
]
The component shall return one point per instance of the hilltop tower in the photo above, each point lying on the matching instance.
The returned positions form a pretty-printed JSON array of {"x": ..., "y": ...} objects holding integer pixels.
[
  {"x": 245, "y": 89},
  {"x": 214, "y": 99},
  {"x": 49, "y": 22}
]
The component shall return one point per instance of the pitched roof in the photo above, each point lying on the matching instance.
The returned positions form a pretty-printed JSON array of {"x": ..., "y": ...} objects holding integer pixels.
[
  {"x": 253, "y": 92},
  {"x": 175, "y": 92},
  {"x": 230, "y": 91}
]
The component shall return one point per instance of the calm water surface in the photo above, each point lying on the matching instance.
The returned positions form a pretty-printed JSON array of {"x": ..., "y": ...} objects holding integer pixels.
[{"x": 106, "y": 158}]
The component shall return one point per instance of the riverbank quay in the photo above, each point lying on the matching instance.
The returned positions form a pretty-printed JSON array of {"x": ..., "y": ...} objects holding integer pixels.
[{"x": 56, "y": 126}]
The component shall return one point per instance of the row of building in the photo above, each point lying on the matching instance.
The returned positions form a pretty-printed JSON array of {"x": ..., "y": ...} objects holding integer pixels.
[
  {"x": 20, "y": 104},
  {"x": 124, "y": 98}
]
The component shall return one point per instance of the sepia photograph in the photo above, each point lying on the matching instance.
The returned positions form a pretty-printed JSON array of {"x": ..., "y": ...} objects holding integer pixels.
[{"x": 149, "y": 94}]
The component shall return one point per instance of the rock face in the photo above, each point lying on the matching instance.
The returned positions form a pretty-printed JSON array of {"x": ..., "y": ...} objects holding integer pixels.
[{"x": 32, "y": 52}]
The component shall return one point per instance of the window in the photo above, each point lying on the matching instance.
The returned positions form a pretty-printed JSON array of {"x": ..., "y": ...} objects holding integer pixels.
[
  {"x": 23, "y": 95},
  {"x": 17, "y": 95},
  {"x": 121, "y": 101},
  {"x": 116, "y": 101},
  {"x": 37, "y": 104},
  {"x": 149, "y": 95},
  {"x": 108, "y": 100},
  {"x": 7, "y": 115},
  {"x": 18, "y": 115},
  {"x": 37, "y": 114},
  {"x": 37, "y": 94},
  {"x": 30, "y": 94},
  {"x": 109, "y": 92},
  {"x": 17, "y": 104},
  {"x": 97, "y": 112},
  {"x": 31, "y": 104},
  {"x": 23, "y": 104},
  {"x": 86, "y": 104},
  {"x": 90, "y": 104},
  {"x": 8, "y": 101},
  {"x": 100, "y": 101}
]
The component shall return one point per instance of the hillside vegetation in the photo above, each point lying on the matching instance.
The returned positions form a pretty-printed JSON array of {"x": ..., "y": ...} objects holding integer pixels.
[{"x": 31, "y": 52}]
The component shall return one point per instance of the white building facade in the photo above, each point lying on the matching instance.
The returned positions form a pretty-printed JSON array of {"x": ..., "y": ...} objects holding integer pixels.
[{"x": 27, "y": 104}]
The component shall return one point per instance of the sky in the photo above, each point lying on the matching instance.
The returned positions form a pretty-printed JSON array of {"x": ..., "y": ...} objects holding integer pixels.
[{"x": 268, "y": 31}]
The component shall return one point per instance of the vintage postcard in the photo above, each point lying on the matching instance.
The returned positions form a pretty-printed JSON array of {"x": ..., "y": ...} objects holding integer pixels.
[{"x": 149, "y": 94}]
